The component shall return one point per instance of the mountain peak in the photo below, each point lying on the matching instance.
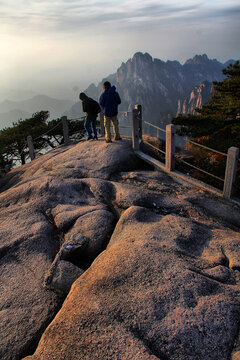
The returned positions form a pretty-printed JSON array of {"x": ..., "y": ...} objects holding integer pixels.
[
  {"x": 139, "y": 55},
  {"x": 231, "y": 61},
  {"x": 198, "y": 59}
]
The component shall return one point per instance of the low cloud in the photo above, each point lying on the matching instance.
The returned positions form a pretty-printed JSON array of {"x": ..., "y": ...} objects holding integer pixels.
[
  {"x": 65, "y": 15},
  {"x": 66, "y": 40}
]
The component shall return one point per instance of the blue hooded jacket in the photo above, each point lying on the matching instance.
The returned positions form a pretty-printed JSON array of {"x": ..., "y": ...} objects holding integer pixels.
[{"x": 109, "y": 100}]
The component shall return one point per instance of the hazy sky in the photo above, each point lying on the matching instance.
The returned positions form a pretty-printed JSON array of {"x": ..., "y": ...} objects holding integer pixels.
[{"x": 66, "y": 43}]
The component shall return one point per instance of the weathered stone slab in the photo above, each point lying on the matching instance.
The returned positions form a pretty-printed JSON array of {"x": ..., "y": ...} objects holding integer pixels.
[{"x": 150, "y": 295}]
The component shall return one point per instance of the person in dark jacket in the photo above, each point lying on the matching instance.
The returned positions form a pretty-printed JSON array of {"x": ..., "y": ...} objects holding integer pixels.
[
  {"x": 91, "y": 108},
  {"x": 109, "y": 102}
]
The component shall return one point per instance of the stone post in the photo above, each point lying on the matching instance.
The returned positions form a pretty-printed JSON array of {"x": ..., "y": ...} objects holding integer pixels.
[
  {"x": 139, "y": 109},
  {"x": 135, "y": 130},
  {"x": 170, "y": 147},
  {"x": 31, "y": 147},
  {"x": 102, "y": 128},
  {"x": 230, "y": 173},
  {"x": 65, "y": 129}
]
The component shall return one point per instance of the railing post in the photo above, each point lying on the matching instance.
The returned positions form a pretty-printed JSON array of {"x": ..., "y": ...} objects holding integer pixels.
[
  {"x": 65, "y": 129},
  {"x": 135, "y": 130},
  {"x": 139, "y": 109},
  {"x": 31, "y": 147},
  {"x": 170, "y": 147},
  {"x": 102, "y": 128},
  {"x": 231, "y": 169}
]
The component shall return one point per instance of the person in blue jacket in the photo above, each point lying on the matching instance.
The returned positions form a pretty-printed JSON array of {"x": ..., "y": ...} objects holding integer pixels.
[{"x": 109, "y": 101}]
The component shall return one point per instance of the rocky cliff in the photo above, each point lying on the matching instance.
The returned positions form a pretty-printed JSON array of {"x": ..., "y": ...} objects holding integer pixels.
[
  {"x": 150, "y": 266},
  {"x": 197, "y": 98},
  {"x": 159, "y": 86}
]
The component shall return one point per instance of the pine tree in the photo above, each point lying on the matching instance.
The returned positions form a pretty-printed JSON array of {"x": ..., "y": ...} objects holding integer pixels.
[
  {"x": 13, "y": 140},
  {"x": 13, "y": 146},
  {"x": 217, "y": 124}
]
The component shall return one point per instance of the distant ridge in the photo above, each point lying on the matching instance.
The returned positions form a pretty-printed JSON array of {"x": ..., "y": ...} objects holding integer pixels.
[
  {"x": 200, "y": 60},
  {"x": 159, "y": 86},
  {"x": 14, "y": 110},
  {"x": 6, "y": 119}
]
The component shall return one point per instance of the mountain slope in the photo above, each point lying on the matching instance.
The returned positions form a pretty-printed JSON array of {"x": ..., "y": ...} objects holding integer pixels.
[
  {"x": 157, "y": 85},
  {"x": 197, "y": 98},
  {"x": 6, "y": 119},
  {"x": 37, "y": 103}
]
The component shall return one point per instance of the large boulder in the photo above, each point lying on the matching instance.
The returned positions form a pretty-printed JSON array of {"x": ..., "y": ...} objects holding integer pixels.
[
  {"x": 65, "y": 273},
  {"x": 151, "y": 273},
  {"x": 41, "y": 204},
  {"x": 155, "y": 293},
  {"x": 85, "y": 159}
]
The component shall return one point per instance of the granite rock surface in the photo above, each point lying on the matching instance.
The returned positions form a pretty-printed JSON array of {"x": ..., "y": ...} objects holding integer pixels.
[{"x": 105, "y": 258}]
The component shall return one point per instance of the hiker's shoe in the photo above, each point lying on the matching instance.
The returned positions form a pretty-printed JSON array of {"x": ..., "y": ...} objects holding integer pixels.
[
  {"x": 90, "y": 138},
  {"x": 118, "y": 138},
  {"x": 108, "y": 141},
  {"x": 95, "y": 138}
]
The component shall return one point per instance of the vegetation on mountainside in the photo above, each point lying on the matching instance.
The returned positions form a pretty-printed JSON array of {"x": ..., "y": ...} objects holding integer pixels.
[
  {"x": 45, "y": 134},
  {"x": 217, "y": 124}
]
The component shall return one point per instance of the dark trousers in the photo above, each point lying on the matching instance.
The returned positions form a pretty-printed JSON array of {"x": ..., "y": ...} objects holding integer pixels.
[{"x": 90, "y": 125}]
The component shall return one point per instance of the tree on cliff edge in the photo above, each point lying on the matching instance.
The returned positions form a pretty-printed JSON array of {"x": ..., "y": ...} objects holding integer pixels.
[
  {"x": 13, "y": 139},
  {"x": 13, "y": 145},
  {"x": 217, "y": 124}
]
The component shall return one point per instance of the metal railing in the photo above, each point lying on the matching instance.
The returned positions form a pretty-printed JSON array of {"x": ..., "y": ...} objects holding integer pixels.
[
  {"x": 208, "y": 149},
  {"x": 67, "y": 135},
  {"x": 30, "y": 142},
  {"x": 31, "y": 152},
  {"x": 199, "y": 169},
  {"x": 236, "y": 184},
  {"x": 232, "y": 157},
  {"x": 181, "y": 160},
  {"x": 154, "y": 147},
  {"x": 154, "y": 126},
  {"x": 151, "y": 145},
  {"x": 170, "y": 156}
]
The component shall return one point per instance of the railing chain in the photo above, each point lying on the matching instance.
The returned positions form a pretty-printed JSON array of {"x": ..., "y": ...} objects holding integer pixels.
[
  {"x": 154, "y": 147},
  {"x": 155, "y": 126},
  {"x": 206, "y": 147},
  {"x": 197, "y": 168}
]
